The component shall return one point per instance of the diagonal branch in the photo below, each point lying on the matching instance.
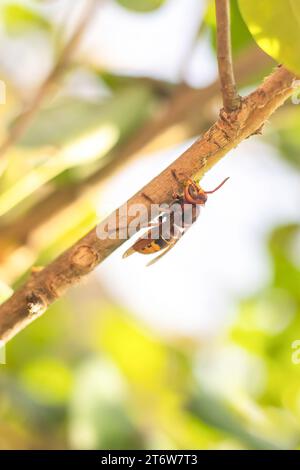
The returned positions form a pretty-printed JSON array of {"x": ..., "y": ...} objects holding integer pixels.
[
  {"x": 182, "y": 106},
  {"x": 48, "y": 285},
  {"x": 25, "y": 118},
  {"x": 231, "y": 99}
]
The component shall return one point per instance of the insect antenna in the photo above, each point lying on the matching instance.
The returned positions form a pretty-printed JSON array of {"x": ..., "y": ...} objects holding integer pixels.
[{"x": 218, "y": 187}]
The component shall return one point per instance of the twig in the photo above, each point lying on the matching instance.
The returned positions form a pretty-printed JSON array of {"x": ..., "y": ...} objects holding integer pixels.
[
  {"x": 231, "y": 99},
  {"x": 24, "y": 119},
  {"x": 41, "y": 290}
]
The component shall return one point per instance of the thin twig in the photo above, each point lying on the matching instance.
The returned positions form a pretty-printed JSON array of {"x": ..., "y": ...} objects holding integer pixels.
[
  {"x": 48, "y": 285},
  {"x": 231, "y": 99},
  {"x": 25, "y": 118}
]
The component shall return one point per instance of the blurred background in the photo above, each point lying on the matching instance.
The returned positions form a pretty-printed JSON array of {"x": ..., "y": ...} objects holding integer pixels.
[{"x": 198, "y": 351}]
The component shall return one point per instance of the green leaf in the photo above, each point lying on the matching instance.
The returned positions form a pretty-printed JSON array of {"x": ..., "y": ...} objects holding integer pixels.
[
  {"x": 241, "y": 38},
  {"x": 141, "y": 5},
  {"x": 275, "y": 27},
  {"x": 20, "y": 19}
]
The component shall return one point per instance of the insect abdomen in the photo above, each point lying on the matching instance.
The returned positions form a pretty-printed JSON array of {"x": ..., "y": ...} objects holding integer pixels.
[{"x": 152, "y": 246}]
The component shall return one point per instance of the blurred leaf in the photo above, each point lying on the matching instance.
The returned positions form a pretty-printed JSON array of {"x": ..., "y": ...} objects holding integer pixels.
[
  {"x": 275, "y": 27},
  {"x": 99, "y": 418},
  {"x": 42, "y": 337},
  {"x": 141, "y": 357},
  {"x": 268, "y": 314},
  {"x": 268, "y": 325},
  {"x": 285, "y": 133},
  {"x": 141, "y": 5},
  {"x": 19, "y": 19},
  {"x": 48, "y": 380},
  {"x": 158, "y": 376},
  {"x": 145, "y": 360},
  {"x": 285, "y": 248},
  {"x": 241, "y": 38},
  {"x": 70, "y": 119},
  {"x": 83, "y": 133},
  {"x": 218, "y": 414}
]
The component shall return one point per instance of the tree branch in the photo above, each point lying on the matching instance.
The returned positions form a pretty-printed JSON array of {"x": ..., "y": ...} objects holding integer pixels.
[
  {"x": 231, "y": 99},
  {"x": 24, "y": 119},
  {"x": 184, "y": 103},
  {"x": 48, "y": 285}
]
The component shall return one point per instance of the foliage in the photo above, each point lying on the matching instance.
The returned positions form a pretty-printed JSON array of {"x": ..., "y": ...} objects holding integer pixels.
[
  {"x": 275, "y": 27},
  {"x": 20, "y": 19}
]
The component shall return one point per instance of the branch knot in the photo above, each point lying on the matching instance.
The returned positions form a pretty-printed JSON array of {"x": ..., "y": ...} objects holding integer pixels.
[
  {"x": 36, "y": 305},
  {"x": 84, "y": 257}
]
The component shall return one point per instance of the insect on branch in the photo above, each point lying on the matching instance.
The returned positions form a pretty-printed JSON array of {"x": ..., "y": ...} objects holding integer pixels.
[{"x": 49, "y": 284}]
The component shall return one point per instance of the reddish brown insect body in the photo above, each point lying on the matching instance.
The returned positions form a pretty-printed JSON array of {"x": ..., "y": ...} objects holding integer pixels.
[{"x": 173, "y": 223}]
